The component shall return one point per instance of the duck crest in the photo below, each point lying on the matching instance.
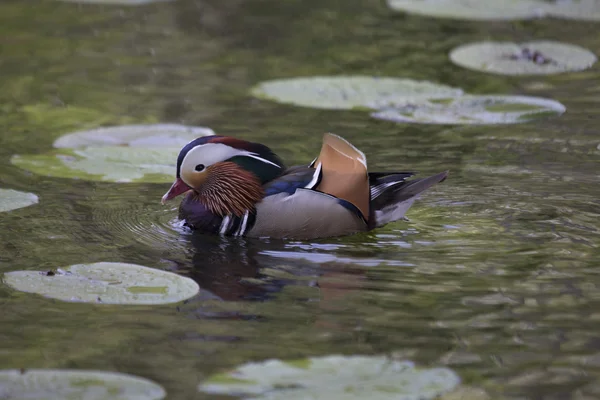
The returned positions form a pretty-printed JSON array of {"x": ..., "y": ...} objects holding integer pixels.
[{"x": 344, "y": 172}]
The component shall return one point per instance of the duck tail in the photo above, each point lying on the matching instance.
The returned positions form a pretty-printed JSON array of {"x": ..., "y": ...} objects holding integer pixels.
[{"x": 392, "y": 195}]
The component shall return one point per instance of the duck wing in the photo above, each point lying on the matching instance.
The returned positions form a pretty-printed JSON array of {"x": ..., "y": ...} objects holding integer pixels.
[
  {"x": 392, "y": 194},
  {"x": 343, "y": 172}
]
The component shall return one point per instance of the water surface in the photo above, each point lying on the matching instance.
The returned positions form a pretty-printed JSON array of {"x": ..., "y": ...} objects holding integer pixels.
[{"x": 495, "y": 275}]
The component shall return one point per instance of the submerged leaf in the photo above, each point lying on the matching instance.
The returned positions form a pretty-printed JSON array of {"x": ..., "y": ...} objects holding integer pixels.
[
  {"x": 13, "y": 199},
  {"x": 64, "y": 384},
  {"x": 475, "y": 110},
  {"x": 107, "y": 283},
  {"x": 471, "y": 9},
  {"x": 333, "y": 377},
  {"x": 350, "y": 92},
  {"x": 531, "y": 58}
]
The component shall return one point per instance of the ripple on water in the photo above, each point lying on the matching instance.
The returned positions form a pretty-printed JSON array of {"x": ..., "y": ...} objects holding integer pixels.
[{"x": 127, "y": 220}]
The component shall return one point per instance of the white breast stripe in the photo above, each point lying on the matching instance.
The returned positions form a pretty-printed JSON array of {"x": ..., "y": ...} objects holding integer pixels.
[
  {"x": 315, "y": 178},
  {"x": 224, "y": 225},
  {"x": 242, "y": 229}
]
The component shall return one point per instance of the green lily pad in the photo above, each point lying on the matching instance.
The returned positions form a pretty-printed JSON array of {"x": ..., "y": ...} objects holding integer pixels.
[
  {"x": 117, "y": 2},
  {"x": 475, "y": 110},
  {"x": 472, "y": 9},
  {"x": 155, "y": 135},
  {"x": 105, "y": 283},
  {"x": 109, "y": 164},
  {"x": 14, "y": 199},
  {"x": 350, "y": 92},
  {"x": 129, "y": 153},
  {"x": 531, "y": 58},
  {"x": 64, "y": 384},
  {"x": 588, "y": 10},
  {"x": 331, "y": 378}
]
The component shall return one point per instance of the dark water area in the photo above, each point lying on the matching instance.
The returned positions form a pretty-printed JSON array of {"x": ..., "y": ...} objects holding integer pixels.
[{"x": 495, "y": 275}]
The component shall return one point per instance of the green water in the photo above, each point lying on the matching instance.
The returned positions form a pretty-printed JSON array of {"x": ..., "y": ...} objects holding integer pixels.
[{"x": 495, "y": 275}]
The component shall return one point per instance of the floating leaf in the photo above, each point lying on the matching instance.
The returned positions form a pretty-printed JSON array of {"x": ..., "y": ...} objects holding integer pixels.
[
  {"x": 105, "y": 282},
  {"x": 500, "y": 9},
  {"x": 117, "y": 2},
  {"x": 348, "y": 92},
  {"x": 110, "y": 164},
  {"x": 531, "y": 58},
  {"x": 156, "y": 135},
  {"x": 472, "y": 9},
  {"x": 13, "y": 199},
  {"x": 64, "y": 384},
  {"x": 130, "y": 153},
  {"x": 588, "y": 10},
  {"x": 475, "y": 110},
  {"x": 331, "y": 378}
]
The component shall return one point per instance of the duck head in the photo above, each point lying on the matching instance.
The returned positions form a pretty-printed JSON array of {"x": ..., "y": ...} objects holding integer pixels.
[{"x": 225, "y": 174}]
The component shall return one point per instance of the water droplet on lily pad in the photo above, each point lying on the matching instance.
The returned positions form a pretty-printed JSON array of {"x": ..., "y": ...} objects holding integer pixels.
[
  {"x": 105, "y": 283},
  {"x": 60, "y": 384},
  {"x": 130, "y": 153},
  {"x": 475, "y": 110},
  {"x": 155, "y": 135},
  {"x": 471, "y": 9},
  {"x": 350, "y": 92},
  {"x": 332, "y": 378},
  {"x": 531, "y": 58},
  {"x": 13, "y": 199}
]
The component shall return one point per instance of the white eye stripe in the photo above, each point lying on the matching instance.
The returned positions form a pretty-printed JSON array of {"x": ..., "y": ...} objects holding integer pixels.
[
  {"x": 208, "y": 154},
  {"x": 212, "y": 153}
]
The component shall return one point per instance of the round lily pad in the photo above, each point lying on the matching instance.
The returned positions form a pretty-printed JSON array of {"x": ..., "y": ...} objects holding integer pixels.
[
  {"x": 531, "y": 58},
  {"x": 474, "y": 110},
  {"x": 155, "y": 135},
  {"x": 472, "y": 9},
  {"x": 332, "y": 378},
  {"x": 130, "y": 153},
  {"x": 588, "y": 10},
  {"x": 64, "y": 384},
  {"x": 105, "y": 283},
  {"x": 349, "y": 92},
  {"x": 110, "y": 164},
  {"x": 14, "y": 199},
  {"x": 117, "y": 2}
]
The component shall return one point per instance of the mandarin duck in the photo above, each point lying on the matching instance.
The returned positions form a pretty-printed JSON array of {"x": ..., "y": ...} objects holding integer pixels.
[{"x": 235, "y": 187}]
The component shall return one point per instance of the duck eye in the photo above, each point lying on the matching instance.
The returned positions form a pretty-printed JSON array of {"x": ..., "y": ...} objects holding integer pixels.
[{"x": 199, "y": 167}]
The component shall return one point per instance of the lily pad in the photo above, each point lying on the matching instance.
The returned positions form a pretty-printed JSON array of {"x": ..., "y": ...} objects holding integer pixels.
[
  {"x": 13, "y": 199},
  {"x": 531, "y": 58},
  {"x": 130, "y": 153},
  {"x": 475, "y": 110},
  {"x": 350, "y": 92},
  {"x": 117, "y": 2},
  {"x": 588, "y": 10},
  {"x": 155, "y": 135},
  {"x": 109, "y": 164},
  {"x": 331, "y": 378},
  {"x": 64, "y": 384},
  {"x": 105, "y": 283},
  {"x": 472, "y": 9}
]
